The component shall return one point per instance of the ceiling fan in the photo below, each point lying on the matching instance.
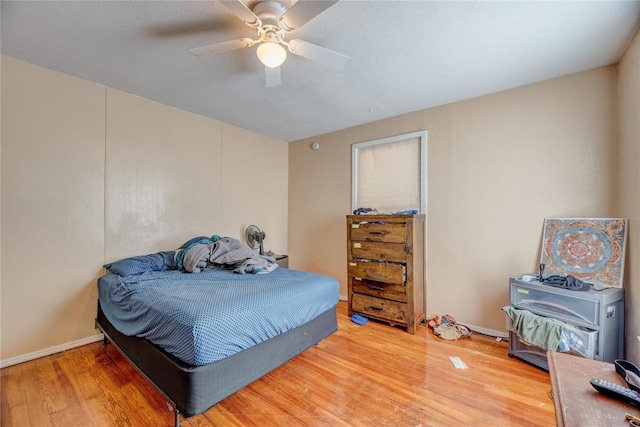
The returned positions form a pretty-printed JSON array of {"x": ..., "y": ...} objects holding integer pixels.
[{"x": 272, "y": 22}]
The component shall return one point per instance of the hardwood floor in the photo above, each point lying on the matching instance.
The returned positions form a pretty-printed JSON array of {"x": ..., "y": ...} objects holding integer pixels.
[{"x": 372, "y": 375}]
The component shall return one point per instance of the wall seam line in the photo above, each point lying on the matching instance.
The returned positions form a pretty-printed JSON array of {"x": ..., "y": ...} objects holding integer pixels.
[{"x": 104, "y": 183}]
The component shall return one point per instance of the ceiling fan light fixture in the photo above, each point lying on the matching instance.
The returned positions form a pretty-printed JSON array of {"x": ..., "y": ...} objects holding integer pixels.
[{"x": 271, "y": 54}]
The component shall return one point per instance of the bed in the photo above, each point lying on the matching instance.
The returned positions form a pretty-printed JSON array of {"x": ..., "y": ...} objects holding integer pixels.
[{"x": 200, "y": 337}]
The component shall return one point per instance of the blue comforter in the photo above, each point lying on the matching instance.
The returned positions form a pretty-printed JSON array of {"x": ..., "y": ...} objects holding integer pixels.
[{"x": 205, "y": 317}]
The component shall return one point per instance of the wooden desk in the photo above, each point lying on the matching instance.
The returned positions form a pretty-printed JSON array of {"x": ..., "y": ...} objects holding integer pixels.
[{"x": 576, "y": 402}]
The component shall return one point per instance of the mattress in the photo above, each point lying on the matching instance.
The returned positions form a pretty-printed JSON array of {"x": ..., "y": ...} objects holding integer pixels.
[{"x": 201, "y": 318}]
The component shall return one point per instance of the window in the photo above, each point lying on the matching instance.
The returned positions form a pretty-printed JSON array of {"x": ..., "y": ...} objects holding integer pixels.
[{"x": 390, "y": 174}]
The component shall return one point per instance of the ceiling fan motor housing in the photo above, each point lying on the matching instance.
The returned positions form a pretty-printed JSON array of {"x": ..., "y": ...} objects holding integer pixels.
[{"x": 269, "y": 13}]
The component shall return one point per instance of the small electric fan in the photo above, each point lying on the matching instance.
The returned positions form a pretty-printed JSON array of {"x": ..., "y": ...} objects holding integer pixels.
[{"x": 254, "y": 237}]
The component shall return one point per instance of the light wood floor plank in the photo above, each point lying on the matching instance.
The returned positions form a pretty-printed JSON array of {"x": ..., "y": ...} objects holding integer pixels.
[{"x": 372, "y": 375}]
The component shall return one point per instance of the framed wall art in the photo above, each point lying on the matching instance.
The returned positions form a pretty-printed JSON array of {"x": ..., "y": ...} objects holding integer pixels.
[{"x": 591, "y": 249}]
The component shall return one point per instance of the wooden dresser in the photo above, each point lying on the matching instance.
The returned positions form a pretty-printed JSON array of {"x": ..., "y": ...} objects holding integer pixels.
[{"x": 385, "y": 268}]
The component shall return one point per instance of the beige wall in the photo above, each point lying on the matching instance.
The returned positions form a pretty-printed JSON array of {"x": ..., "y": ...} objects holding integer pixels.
[
  {"x": 52, "y": 206},
  {"x": 91, "y": 174},
  {"x": 1, "y": 58},
  {"x": 255, "y": 172},
  {"x": 496, "y": 167},
  {"x": 629, "y": 186}
]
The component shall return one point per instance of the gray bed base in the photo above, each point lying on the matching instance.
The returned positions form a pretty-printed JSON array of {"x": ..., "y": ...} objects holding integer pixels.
[{"x": 192, "y": 390}]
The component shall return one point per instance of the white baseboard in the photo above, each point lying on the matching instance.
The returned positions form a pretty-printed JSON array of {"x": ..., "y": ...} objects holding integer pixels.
[
  {"x": 343, "y": 298},
  {"x": 49, "y": 351},
  {"x": 486, "y": 331}
]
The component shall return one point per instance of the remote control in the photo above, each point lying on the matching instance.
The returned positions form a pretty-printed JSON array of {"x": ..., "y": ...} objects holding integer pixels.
[{"x": 616, "y": 391}]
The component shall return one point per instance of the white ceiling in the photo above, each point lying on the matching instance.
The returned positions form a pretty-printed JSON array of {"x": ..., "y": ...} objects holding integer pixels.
[{"x": 405, "y": 55}]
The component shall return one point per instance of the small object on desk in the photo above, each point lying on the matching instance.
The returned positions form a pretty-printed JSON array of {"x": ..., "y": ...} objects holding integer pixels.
[
  {"x": 629, "y": 372},
  {"x": 616, "y": 391},
  {"x": 359, "y": 319},
  {"x": 569, "y": 282},
  {"x": 630, "y": 417}
]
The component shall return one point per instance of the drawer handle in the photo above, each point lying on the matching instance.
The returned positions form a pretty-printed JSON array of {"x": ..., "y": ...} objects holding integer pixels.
[
  {"x": 376, "y": 288},
  {"x": 376, "y": 232},
  {"x": 375, "y": 307}
]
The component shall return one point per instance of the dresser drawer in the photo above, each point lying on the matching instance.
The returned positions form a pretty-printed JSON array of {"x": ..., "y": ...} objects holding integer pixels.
[
  {"x": 380, "y": 308},
  {"x": 524, "y": 351},
  {"x": 393, "y": 252},
  {"x": 376, "y": 232},
  {"x": 574, "y": 340},
  {"x": 377, "y": 271},
  {"x": 552, "y": 302},
  {"x": 379, "y": 289}
]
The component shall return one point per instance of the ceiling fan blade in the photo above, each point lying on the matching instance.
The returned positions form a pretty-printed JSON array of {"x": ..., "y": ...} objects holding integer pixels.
[
  {"x": 240, "y": 10},
  {"x": 302, "y": 12},
  {"x": 221, "y": 47},
  {"x": 319, "y": 54},
  {"x": 273, "y": 76}
]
